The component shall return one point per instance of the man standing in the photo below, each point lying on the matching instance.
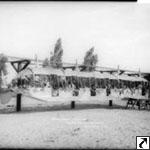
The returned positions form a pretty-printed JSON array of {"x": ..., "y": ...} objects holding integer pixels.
[
  {"x": 108, "y": 89},
  {"x": 93, "y": 90}
]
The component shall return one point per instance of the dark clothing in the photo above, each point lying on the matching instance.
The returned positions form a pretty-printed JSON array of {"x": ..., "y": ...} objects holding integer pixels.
[
  {"x": 76, "y": 91},
  {"x": 19, "y": 82},
  {"x": 149, "y": 93},
  {"x": 108, "y": 91},
  {"x": 143, "y": 91},
  {"x": 93, "y": 91}
]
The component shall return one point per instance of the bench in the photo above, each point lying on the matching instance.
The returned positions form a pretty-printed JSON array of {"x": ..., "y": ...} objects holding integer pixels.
[
  {"x": 131, "y": 102},
  {"x": 140, "y": 102}
]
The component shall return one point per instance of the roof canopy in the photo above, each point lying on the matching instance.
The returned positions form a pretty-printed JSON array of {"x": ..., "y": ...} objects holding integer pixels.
[
  {"x": 42, "y": 71},
  {"x": 131, "y": 78},
  {"x": 47, "y": 71},
  {"x": 77, "y": 73}
]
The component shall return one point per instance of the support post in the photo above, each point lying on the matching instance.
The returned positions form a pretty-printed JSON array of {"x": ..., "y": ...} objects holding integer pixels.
[
  {"x": 72, "y": 104},
  {"x": 110, "y": 103},
  {"x": 139, "y": 107},
  {"x": 18, "y": 102}
]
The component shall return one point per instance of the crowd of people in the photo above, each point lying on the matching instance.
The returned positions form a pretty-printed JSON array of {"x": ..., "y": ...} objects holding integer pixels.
[{"x": 57, "y": 83}]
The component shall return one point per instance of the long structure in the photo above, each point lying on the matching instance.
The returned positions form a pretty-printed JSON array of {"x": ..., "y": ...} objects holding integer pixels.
[{"x": 98, "y": 68}]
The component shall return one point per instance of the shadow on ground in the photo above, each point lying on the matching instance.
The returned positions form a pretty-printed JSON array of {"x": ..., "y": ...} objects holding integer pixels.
[{"x": 61, "y": 107}]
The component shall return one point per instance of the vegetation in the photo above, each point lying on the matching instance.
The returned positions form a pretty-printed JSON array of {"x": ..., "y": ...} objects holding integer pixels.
[
  {"x": 45, "y": 62},
  {"x": 90, "y": 60},
  {"x": 56, "y": 58},
  {"x": 3, "y": 69}
]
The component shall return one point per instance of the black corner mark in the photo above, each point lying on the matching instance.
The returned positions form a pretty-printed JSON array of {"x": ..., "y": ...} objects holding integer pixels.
[{"x": 144, "y": 140}]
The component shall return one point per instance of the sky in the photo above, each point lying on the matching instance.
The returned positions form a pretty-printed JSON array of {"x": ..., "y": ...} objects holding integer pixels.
[{"x": 119, "y": 32}]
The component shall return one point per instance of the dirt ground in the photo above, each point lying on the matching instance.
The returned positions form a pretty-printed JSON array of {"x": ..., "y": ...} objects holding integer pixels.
[{"x": 87, "y": 128}]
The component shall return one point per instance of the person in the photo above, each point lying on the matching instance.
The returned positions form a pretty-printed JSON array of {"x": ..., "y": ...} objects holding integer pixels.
[
  {"x": 19, "y": 82},
  {"x": 55, "y": 88},
  {"x": 93, "y": 90},
  {"x": 108, "y": 90},
  {"x": 143, "y": 90},
  {"x": 76, "y": 90},
  {"x": 149, "y": 92}
]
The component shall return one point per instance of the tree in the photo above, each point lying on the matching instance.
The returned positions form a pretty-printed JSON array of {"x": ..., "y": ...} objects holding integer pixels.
[
  {"x": 3, "y": 69},
  {"x": 90, "y": 60},
  {"x": 45, "y": 62},
  {"x": 56, "y": 58}
]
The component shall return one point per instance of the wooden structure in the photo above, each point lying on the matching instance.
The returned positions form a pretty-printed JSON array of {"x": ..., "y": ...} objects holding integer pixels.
[
  {"x": 19, "y": 65},
  {"x": 140, "y": 102}
]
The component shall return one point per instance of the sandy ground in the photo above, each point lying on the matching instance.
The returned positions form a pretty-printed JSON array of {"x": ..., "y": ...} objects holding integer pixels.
[
  {"x": 78, "y": 128},
  {"x": 9, "y": 99},
  {"x": 43, "y": 100},
  {"x": 91, "y": 128}
]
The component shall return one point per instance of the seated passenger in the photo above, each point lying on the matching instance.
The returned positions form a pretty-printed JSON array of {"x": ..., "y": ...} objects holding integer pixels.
[
  {"x": 76, "y": 90},
  {"x": 93, "y": 90},
  {"x": 108, "y": 90},
  {"x": 55, "y": 90}
]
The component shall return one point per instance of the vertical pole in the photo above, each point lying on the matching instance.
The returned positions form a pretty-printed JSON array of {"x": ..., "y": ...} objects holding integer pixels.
[
  {"x": 110, "y": 103},
  {"x": 18, "y": 102},
  {"x": 139, "y": 104},
  {"x": 72, "y": 104},
  {"x": 118, "y": 71}
]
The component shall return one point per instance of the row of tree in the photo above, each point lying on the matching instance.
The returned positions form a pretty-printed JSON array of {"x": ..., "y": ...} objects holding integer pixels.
[
  {"x": 55, "y": 61},
  {"x": 3, "y": 69}
]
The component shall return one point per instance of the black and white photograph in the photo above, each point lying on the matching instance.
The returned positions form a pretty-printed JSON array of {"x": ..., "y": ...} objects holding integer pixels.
[{"x": 75, "y": 75}]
